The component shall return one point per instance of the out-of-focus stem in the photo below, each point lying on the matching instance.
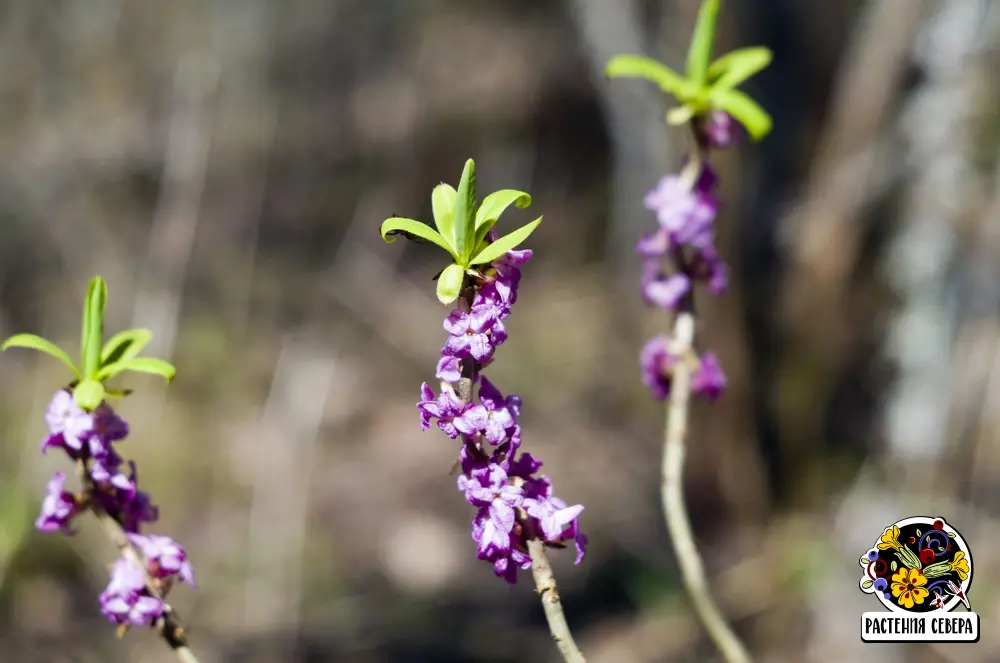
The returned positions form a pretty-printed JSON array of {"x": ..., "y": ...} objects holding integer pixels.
[
  {"x": 674, "y": 508},
  {"x": 168, "y": 626}
]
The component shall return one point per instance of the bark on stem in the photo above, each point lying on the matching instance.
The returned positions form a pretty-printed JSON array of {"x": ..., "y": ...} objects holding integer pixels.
[
  {"x": 674, "y": 508},
  {"x": 545, "y": 584},
  {"x": 168, "y": 626},
  {"x": 541, "y": 571}
]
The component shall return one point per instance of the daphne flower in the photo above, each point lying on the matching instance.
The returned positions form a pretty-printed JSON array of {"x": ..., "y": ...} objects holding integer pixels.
[
  {"x": 69, "y": 424},
  {"x": 494, "y": 416},
  {"x": 58, "y": 508},
  {"x": 165, "y": 557}
]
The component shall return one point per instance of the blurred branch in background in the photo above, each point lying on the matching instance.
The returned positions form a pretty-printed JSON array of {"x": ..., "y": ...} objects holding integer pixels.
[
  {"x": 284, "y": 461},
  {"x": 175, "y": 222}
]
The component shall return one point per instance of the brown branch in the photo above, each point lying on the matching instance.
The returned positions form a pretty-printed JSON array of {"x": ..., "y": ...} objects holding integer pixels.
[{"x": 167, "y": 625}]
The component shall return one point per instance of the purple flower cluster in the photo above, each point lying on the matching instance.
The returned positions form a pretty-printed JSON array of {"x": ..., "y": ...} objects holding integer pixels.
[
  {"x": 513, "y": 504},
  {"x": 681, "y": 253},
  {"x": 88, "y": 438}
]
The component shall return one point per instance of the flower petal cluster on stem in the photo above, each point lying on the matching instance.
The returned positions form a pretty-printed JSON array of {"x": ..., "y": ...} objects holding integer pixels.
[
  {"x": 681, "y": 254},
  {"x": 514, "y": 504},
  {"x": 135, "y": 595}
]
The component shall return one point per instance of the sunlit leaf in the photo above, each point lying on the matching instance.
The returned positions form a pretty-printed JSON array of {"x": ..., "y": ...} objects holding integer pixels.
[
  {"x": 139, "y": 365},
  {"x": 492, "y": 207},
  {"x": 494, "y": 204},
  {"x": 33, "y": 342},
  {"x": 92, "y": 337},
  {"x": 125, "y": 345},
  {"x": 449, "y": 284},
  {"x": 734, "y": 67},
  {"x": 443, "y": 204},
  {"x": 465, "y": 210},
  {"x": 745, "y": 110},
  {"x": 505, "y": 244},
  {"x": 88, "y": 394},
  {"x": 700, "y": 51},
  {"x": 639, "y": 66},
  {"x": 397, "y": 225}
]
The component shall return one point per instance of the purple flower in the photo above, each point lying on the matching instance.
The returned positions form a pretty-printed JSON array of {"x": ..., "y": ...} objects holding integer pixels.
[
  {"x": 164, "y": 556},
  {"x": 653, "y": 245},
  {"x": 685, "y": 215},
  {"x": 506, "y": 567},
  {"x": 126, "y": 600},
  {"x": 663, "y": 291},
  {"x": 449, "y": 369},
  {"x": 137, "y": 510},
  {"x": 657, "y": 362},
  {"x": 708, "y": 266},
  {"x": 553, "y": 515},
  {"x": 107, "y": 425},
  {"x": 69, "y": 425},
  {"x": 58, "y": 507},
  {"x": 494, "y": 416},
  {"x": 107, "y": 469},
  {"x": 469, "y": 333},
  {"x": 505, "y": 276},
  {"x": 497, "y": 499},
  {"x": 444, "y": 408},
  {"x": 708, "y": 380},
  {"x": 721, "y": 130}
]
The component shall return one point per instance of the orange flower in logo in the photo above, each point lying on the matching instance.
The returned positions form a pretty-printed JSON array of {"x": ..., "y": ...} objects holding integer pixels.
[{"x": 908, "y": 587}]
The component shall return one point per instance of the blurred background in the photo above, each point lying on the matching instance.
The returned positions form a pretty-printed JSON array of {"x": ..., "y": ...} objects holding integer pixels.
[{"x": 226, "y": 165}]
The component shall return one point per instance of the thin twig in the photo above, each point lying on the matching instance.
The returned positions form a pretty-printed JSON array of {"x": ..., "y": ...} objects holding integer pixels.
[
  {"x": 678, "y": 523},
  {"x": 545, "y": 583},
  {"x": 541, "y": 571},
  {"x": 168, "y": 625}
]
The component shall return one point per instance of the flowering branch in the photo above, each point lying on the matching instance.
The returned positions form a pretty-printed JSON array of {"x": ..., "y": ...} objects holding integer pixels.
[
  {"x": 518, "y": 516},
  {"x": 84, "y": 426},
  {"x": 167, "y": 625},
  {"x": 682, "y": 253}
]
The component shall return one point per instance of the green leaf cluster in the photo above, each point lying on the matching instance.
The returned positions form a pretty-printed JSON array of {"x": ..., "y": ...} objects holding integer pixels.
[
  {"x": 706, "y": 85},
  {"x": 461, "y": 228},
  {"x": 99, "y": 360}
]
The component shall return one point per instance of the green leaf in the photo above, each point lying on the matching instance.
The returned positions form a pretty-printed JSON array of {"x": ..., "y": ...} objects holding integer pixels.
[
  {"x": 700, "y": 51},
  {"x": 951, "y": 534},
  {"x": 639, "y": 66},
  {"x": 88, "y": 394},
  {"x": 33, "y": 342},
  {"x": 443, "y": 204},
  {"x": 125, "y": 345},
  {"x": 494, "y": 205},
  {"x": 397, "y": 225},
  {"x": 505, "y": 244},
  {"x": 918, "y": 532},
  {"x": 746, "y": 111},
  {"x": 92, "y": 337},
  {"x": 139, "y": 365},
  {"x": 680, "y": 115},
  {"x": 893, "y": 566},
  {"x": 737, "y": 66},
  {"x": 867, "y": 584},
  {"x": 465, "y": 210},
  {"x": 449, "y": 284}
]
